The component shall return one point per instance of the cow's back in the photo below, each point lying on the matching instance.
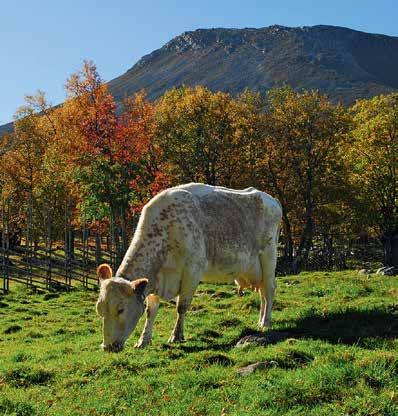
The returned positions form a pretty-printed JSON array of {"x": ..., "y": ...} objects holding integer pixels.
[{"x": 234, "y": 225}]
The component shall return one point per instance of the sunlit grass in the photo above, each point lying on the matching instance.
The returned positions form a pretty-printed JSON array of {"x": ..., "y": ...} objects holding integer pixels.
[{"x": 338, "y": 355}]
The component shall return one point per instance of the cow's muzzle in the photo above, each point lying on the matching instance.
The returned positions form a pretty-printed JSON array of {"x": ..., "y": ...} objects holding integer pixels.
[{"x": 114, "y": 347}]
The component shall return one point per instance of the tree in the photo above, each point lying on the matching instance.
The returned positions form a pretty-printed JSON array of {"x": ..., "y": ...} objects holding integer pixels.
[
  {"x": 33, "y": 171},
  {"x": 304, "y": 131},
  {"x": 196, "y": 133},
  {"x": 114, "y": 155},
  {"x": 372, "y": 156}
]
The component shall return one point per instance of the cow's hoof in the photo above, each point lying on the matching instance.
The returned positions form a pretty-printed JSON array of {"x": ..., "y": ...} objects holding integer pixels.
[
  {"x": 142, "y": 344},
  {"x": 175, "y": 338}
]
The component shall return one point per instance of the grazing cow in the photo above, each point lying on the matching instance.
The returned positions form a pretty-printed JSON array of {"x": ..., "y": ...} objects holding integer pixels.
[{"x": 185, "y": 235}]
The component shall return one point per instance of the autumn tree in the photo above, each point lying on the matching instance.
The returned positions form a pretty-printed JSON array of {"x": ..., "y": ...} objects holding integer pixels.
[
  {"x": 250, "y": 132},
  {"x": 148, "y": 167},
  {"x": 114, "y": 154},
  {"x": 196, "y": 133},
  {"x": 372, "y": 155},
  {"x": 32, "y": 177},
  {"x": 22, "y": 164},
  {"x": 304, "y": 131}
]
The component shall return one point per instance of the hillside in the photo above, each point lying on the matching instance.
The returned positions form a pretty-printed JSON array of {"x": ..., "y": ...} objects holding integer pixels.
[{"x": 343, "y": 63}]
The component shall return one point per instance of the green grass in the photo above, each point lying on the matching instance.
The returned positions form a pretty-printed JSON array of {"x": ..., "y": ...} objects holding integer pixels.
[{"x": 338, "y": 355}]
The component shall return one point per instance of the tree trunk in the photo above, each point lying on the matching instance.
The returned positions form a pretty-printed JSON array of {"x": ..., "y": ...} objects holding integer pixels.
[
  {"x": 394, "y": 251},
  {"x": 288, "y": 240},
  {"x": 390, "y": 245},
  {"x": 303, "y": 250}
]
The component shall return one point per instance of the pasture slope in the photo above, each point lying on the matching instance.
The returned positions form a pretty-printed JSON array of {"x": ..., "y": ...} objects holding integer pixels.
[{"x": 338, "y": 355}]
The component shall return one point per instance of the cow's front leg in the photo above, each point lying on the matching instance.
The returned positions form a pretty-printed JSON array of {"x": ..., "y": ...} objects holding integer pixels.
[
  {"x": 151, "y": 311},
  {"x": 178, "y": 332}
]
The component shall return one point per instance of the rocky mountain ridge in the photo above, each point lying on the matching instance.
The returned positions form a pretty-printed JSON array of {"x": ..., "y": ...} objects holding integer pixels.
[{"x": 345, "y": 64}]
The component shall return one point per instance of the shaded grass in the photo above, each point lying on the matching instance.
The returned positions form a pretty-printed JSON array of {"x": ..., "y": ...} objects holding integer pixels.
[
  {"x": 23, "y": 376},
  {"x": 334, "y": 352}
]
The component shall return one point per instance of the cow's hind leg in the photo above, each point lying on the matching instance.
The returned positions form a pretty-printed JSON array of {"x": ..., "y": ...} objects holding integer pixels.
[
  {"x": 267, "y": 290},
  {"x": 261, "y": 293},
  {"x": 151, "y": 311}
]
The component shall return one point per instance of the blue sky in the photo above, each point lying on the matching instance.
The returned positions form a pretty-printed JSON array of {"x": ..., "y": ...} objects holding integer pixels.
[{"x": 43, "y": 42}]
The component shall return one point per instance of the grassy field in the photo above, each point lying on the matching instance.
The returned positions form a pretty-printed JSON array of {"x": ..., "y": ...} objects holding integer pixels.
[{"x": 337, "y": 354}]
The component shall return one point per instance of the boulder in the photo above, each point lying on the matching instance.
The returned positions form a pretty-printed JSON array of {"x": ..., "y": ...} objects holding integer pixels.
[{"x": 387, "y": 271}]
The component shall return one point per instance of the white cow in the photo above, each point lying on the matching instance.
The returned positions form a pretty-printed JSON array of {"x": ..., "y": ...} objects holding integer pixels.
[{"x": 185, "y": 235}]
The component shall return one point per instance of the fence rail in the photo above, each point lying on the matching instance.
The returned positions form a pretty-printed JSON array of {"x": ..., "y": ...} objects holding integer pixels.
[
  {"x": 54, "y": 269},
  {"x": 35, "y": 256}
]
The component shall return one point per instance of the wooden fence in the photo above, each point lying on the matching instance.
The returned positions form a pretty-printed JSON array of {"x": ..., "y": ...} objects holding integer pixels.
[{"x": 40, "y": 260}]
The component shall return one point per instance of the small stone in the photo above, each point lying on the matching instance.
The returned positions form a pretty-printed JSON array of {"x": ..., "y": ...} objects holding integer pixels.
[
  {"x": 251, "y": 340},
  {"x": 249, "y": 369},
  {"x": 260, "y": 340}
]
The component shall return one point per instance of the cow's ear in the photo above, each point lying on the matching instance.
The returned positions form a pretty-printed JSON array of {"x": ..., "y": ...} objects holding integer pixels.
[
  {"x": 104, "y": 272},
  {"x": 139, "y": 286}
]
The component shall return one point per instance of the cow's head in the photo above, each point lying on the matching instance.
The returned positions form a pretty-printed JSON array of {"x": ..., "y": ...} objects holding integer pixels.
[{"x": 121, "y": 304}]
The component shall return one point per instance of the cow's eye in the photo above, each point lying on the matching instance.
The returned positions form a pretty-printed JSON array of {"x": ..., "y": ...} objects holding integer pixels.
[{"x": 120, "y": 311}]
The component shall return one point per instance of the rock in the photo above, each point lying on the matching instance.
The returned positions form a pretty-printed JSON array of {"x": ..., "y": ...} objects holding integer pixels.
[
  {"x": 260, "y": 340},
  {"x": 386, "y": 271},
  {"x": 251, "y": 368},
  {"x": 252, "y": 340}
]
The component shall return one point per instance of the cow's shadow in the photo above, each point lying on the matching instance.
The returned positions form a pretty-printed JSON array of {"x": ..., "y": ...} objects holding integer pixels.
[{"x": 350, "y": 327}]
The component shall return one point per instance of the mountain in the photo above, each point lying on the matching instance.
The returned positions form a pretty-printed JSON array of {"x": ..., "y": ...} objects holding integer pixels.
[
  {"x": 343, "y": 63},
  {"x": 5, "y": 128}
]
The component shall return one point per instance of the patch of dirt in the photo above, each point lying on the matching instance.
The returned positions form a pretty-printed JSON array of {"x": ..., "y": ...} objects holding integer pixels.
[
  {"x": 25, "y": 377},
  {"x": 219, "y": 359},
  {"x": 49, "y": 296},
  {"x": 222, "y": 295},
  {"x": 230, "y": 322},
  {"x": 12, "y": 329},
  {"x": 210, "y": 334}
]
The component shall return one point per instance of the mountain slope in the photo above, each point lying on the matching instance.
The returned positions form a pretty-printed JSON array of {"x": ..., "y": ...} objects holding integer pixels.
[{"x": 343, "y": 63}]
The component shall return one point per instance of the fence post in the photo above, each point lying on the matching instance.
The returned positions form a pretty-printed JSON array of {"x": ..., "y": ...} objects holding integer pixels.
[
  {"x": 4, "y": 248},
  {"x": 68, "y": 277},
  {"x": 98, "y": 252},
  {"x": 29, "y": 241},
  {"x": 113, "y": 243},
  {"x": 85, "y": 254},
  {"x": 48, "y": 248},
  {"x": 123, "y": 234}
]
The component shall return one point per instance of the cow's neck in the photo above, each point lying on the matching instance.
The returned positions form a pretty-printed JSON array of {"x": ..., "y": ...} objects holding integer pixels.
[{"x": 146, "y": 254}]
